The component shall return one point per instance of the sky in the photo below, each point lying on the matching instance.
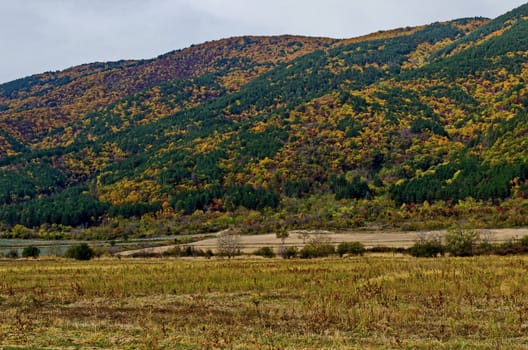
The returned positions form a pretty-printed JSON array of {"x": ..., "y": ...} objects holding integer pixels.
[{"x": 48, "y": 35}]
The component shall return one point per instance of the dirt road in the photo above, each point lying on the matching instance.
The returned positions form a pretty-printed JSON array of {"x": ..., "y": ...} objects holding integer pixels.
[{"x": 402, "y": 239}]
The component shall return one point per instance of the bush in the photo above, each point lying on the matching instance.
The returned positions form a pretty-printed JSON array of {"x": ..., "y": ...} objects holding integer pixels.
[
  {"x": 507, "y": 249},
  {"x": 12, "y": 254},
  {"x": 266, "y": 252},
  {"x": 320, "y": 251},
  {"x": 184, "y": 251},
  {"x": 352, "y": 248},
  {"x": 427, "y": 247},
  {"x": 460, "y": 242},
  {"x": 31, "y": 252},
  {"x": 385, "y": 249},
  {"x": 80, "y": 252},
  {"x": 146, "y": 254},
  {"x": 288, "y": 252},
  {"x": 208, "y": 254},
  {"x": 485, "y": 248},
  {"x": 318, "y": 247}
]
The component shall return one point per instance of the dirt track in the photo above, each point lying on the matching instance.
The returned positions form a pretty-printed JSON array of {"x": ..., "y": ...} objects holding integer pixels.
[{"x": 369, "y": 239}]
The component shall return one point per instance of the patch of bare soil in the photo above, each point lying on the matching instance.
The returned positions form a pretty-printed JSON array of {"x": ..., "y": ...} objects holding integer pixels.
[{"x": 298, "y": 238}]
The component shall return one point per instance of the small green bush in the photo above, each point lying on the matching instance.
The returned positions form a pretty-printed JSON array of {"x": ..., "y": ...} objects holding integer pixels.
[
  {"x": 461, "y": 242},
  {"x": 427, "y": 247},
  {"x": 352, "y": 248},
  {"x": 80, "y": 252},
  {"x": 426, "y": 250},
  {"x": 319, "y": 250},
  {"x": 288, "y": 252},
  {"x": 31, "y": 252},
  {"x": 266, "y": 252}
]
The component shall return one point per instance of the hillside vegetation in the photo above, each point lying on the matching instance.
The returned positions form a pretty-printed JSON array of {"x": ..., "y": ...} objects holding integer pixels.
[{"x": 411, "y": 128}]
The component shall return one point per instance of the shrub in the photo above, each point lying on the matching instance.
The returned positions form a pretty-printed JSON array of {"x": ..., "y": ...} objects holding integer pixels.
[
  {"x": 20, "y": 231},
  {"x": 320, "y": 251},
  {"x": 385, "y": 249},
  {"x": 511, "y": 247},
  {"x": 485, "y": 248},
  {"x": 288, "y": 252},
  {"x": 317, "y": 247},
  {"x": 145, "y": 254},
  {"x": 427, "y": 247},
  {"x": 228, "y": 243},
  {"x": 352, "y": 248},
  {"x": 184, "y": 251},
  {"x": 460, "y": 242},
  {"x": 31, "y": 252},
  {"x": 80, "y": 252},
  {"x": 12, "y": 254},
  {"x": 266, "y": 252},
  {"x": 505, "y": 250}
]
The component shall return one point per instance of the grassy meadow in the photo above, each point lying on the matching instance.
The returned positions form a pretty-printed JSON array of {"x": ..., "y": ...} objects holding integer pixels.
[{"x": 352, "y": 303}]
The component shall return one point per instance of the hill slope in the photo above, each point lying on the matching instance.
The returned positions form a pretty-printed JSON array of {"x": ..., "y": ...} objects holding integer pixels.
[
  {"x": 303, "y": 131},
  {"x": 33, "y": 106}
]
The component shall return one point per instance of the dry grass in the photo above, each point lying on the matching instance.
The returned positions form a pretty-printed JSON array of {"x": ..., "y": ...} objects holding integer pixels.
[{"x": 369, "y": 302}]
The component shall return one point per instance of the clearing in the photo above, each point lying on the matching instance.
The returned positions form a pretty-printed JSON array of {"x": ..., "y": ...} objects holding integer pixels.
[{"x": 396, "y": 239}]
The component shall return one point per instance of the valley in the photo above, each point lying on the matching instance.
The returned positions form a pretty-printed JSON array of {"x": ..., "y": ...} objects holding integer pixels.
[{"x": 273, "y": 192}]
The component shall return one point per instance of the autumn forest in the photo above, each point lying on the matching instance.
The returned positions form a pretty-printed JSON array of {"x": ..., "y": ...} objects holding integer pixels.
[{"x": 414, "y": 128}]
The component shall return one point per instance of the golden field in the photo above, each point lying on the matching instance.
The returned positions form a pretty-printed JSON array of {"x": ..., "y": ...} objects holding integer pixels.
[{"x": 371, "y": 302}]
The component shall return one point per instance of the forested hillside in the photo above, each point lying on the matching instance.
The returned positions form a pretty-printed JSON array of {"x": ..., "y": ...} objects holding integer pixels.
[{"x": 416, "y": 127}]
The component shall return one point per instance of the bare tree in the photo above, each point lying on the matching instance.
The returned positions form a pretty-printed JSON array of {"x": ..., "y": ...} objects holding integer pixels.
[
  {"x": 282, "y": 234},
  {"x": 304, "y": 235},
  {"x": 228, "y": 243}
]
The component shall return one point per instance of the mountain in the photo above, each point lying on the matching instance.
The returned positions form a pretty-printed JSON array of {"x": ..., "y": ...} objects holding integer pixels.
[
  {"x": 34, "y": 106},
  {"x": 421, "y": 124}
]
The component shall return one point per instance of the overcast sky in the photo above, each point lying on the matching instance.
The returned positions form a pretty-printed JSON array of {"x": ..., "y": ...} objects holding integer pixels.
[{"x": 43, "y": 35}]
